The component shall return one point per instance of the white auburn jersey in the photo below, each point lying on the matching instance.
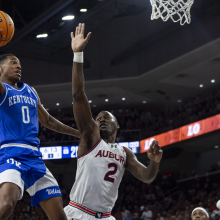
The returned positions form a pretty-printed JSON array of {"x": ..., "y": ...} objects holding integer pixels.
[{"x": 99, "y": 173}]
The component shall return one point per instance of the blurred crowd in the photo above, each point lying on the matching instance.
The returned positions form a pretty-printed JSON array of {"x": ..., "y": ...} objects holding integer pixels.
[
  {"x": 164, "y": 199},
  {"x": 138, "y": 123}
]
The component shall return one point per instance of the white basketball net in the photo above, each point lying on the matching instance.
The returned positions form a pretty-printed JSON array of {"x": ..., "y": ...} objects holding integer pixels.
[{"x": 177, "y": 10}]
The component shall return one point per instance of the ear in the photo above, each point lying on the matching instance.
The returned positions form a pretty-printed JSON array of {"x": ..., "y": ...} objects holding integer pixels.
[
  {"x": 0, "y": 70},
  {"x": 118, "y": 126}
]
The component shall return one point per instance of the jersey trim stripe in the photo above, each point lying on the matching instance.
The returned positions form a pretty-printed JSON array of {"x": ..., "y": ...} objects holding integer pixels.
[
  {"x": 19, "y": 145},
  {"x": 88, "y": 211},
  {"x": 24, "y": 85},
  {"x": 5, "y": 95},
  {"x": 32, "y": 91},
  {"x": 91, "y": 148}
]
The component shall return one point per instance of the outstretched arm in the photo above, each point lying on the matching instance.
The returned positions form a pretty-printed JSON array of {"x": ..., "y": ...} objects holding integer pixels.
[
  {"x": 88, "y": 129},
  {"x": 141, "y": 172},
  {"x": 53, "y": 124}
]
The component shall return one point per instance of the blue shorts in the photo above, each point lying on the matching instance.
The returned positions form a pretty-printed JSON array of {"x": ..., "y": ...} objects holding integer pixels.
[{"x": 23, "y": 165}]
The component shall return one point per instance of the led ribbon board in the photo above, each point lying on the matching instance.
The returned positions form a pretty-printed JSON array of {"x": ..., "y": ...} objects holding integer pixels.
[
  {"x": 183, "y": 133},
  {"x": 61, "y": 152}
]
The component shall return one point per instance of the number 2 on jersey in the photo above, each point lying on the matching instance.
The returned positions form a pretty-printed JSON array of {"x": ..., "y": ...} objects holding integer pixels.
[
  {"x": 110, "y": 173},
  {"x": 25, "y": 114}
]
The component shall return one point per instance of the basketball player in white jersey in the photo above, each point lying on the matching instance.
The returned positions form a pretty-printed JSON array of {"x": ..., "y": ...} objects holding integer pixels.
[{"x": 101, "y": 162}]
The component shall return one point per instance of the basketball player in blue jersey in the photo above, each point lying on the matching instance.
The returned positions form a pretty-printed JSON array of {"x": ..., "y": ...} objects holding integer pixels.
[
  {"x": 101, "y": 162},
  {"x": 21, "y": 164}
]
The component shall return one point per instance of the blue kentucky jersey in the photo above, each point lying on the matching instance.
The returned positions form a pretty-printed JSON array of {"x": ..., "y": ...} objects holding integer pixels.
[{"x": 18, "y": 115}]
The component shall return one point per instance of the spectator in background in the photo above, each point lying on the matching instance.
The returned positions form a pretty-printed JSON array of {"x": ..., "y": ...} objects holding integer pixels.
[
  {"x": 128, "y": 217},
  {"x": 12, "y": 217},
  {"x": 21, "y": 216},
  {"x": 124, "y": 212},
  {"x": 217, "y": 217},
  {"x": 158, "y": 207},
  {"x": 135, "y": 216},
  {"x": 159, "y": 217},
  {"x": 187, "y": 217},
  {"x": 150, "y": 196},
  {"x": 26, "y": 216},
  {"x": 147, "y": 214},
  {"x": 118, "y": 214},
  {"x": 136, "y": 209},
  {"x": 214, "y": 213}
]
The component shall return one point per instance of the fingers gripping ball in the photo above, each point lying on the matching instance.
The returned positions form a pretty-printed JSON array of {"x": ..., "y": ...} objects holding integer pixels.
[{"x": 7, "y": 26}]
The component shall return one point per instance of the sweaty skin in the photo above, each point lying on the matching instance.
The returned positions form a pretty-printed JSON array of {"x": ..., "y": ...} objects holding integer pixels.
[{"x": 106, "y": 124}]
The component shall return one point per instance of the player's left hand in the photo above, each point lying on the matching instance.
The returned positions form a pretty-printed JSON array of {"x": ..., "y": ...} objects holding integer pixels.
[
  {"x": 78, "y": 42},
  {"x": 155, "y": 153}
]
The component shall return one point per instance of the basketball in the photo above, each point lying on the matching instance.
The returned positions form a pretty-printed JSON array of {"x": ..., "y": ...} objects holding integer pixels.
[{"x": 7, "y": 26}]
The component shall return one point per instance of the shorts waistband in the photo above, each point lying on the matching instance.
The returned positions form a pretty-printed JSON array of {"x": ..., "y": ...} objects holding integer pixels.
[
  {"x": 19, "y": 145},
  {"x": 98, "y": 215}
]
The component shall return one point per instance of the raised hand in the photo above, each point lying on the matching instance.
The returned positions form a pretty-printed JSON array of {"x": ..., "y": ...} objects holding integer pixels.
[
  {"x": 155, "y": 153},
  {"x": 79, "y": 42},
  {"x": 1, "y": 37}
]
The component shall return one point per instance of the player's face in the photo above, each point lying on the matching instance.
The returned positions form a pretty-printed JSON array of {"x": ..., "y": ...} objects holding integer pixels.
[
  {"x": 107, "y": 122},
  {"x": 11, "y": 69},
  {"x": 199, "y": 214}
]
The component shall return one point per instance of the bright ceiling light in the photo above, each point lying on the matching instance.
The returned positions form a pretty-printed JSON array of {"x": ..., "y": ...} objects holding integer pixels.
[
  {"x": 212, "y": 81},
  {"x": 83, "y": 9},
  {"x": 216, "y": 146},
  {"x": 123, "y": 99},
  {"x": 106, "y": 100},
  {"x": 201, "y": 85},
  {"x": 179, "y": 100},
  {"x": 90, "y": 101},
  {"x": 42, "y": 35},
  {"x": 144, "y": 102},
  {"x": 58, "y": 104},
  {"x": 68, "y": 17}
]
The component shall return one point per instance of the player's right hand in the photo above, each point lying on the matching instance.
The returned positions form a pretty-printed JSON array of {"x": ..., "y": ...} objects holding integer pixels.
[
  {"x": 1, "y": 37},
  {"x": 78, "y": 42}
]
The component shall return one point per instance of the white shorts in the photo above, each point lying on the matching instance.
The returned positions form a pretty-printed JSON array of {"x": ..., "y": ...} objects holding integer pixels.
[{"x": 73, "y": 213}]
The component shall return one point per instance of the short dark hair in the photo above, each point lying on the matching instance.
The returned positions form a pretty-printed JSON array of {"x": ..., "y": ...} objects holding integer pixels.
[
  {"x": 108, "y": 112},
  {"x": 3, "y": 57}
]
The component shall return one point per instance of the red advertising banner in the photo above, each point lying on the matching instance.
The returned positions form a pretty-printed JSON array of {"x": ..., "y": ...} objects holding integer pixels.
[{"x": 183, "y": 133}]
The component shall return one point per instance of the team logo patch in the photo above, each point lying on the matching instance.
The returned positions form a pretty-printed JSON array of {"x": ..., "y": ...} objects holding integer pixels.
[
  {"x": 52, "y": 191},
  {"x": 98, "y": 215},
  {"x": 113, "y": 145}
]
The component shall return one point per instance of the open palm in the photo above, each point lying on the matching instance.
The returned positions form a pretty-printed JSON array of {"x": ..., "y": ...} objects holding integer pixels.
[{"x": 79, "y": 42}]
